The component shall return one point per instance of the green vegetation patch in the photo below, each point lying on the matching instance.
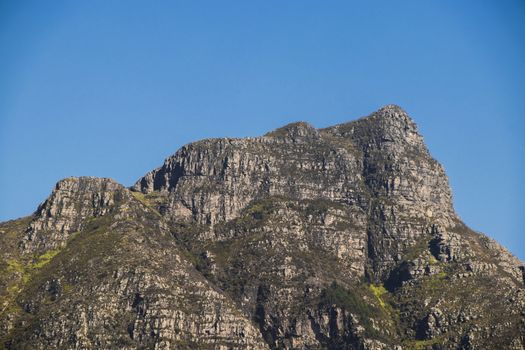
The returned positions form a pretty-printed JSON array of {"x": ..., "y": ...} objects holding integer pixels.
[
  {"x": 45, "y": 258},
  {"x": 349, "y": 300},
  {"x": 379, "y": 291},
  {"x": 434, "y": 282},
  {"x": 354, "y": 300},
  {"x": 23, "y": 272},
  {"x": 148, "y": 201},
  {"x": 422, "y": 344},
  {"x": 26, "y": 270},
  {"x": 360, "y": 301}
]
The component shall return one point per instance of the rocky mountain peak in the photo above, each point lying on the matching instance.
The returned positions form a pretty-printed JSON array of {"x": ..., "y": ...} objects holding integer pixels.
[
  {"x": 393, "y": 110},
  {"x": 390, "y": 128},
  {"x": 336, "y": 238},
  {"x": 394, "y": 116},
  {"x": 296, "y": 132},
  {"x": 384, "y": 149},
  {"x": 396, "y": 123},
  {"x": 72, "y": 201}
]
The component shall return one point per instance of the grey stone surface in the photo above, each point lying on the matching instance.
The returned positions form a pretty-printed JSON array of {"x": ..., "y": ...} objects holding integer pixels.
[{"x": 304, "y": 238}]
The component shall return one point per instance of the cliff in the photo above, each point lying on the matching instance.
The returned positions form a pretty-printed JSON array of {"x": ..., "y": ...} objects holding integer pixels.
[{"x": 304, "y": 238}]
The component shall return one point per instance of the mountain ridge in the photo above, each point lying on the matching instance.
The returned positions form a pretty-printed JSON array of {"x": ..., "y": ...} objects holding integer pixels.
[{"x": 302, "y": 238}]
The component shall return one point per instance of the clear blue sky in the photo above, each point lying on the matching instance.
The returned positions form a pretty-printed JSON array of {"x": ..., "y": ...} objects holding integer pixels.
[{"x": 111, "y": 88}]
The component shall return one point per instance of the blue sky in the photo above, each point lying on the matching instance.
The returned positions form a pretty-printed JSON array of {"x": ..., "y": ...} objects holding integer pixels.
[{"x": 111, "y": 88}]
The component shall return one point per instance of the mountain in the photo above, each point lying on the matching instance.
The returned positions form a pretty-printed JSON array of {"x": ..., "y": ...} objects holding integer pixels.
[{"x": 304, "y": 238}]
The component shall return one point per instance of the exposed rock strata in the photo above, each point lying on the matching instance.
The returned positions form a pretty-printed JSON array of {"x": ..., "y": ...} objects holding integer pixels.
[
  {"x": 72, "y": 203},
  {"x": 338, "y": 238}
]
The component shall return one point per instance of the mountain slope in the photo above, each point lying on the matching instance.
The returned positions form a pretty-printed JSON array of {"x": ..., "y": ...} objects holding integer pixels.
[{"x": 304, "y": 238}]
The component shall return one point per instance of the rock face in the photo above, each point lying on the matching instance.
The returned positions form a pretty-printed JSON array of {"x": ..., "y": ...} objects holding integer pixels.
[
  {"x": 73, "y": 201},
  {"x": 304, "y": 238}
]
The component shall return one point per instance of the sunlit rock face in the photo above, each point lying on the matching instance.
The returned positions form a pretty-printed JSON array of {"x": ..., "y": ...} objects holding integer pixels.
[
  {"x": 72, "y": 202},
  {"x": 337, "y": 238},
  {"x": 378, "y": 168}
]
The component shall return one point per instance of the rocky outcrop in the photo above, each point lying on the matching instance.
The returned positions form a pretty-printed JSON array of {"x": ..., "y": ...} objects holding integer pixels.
[
  {"x": 72, "y": 203},
  {"x": 407, "y": 188},
  {"x": 211, "y": 181},
  {"x": 120, "y": 282},
  {"x": 378, "y": 164},
  {"x": 304, "y": 238}
]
